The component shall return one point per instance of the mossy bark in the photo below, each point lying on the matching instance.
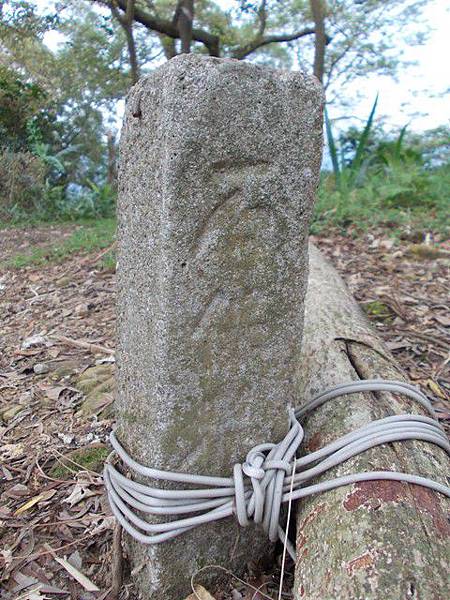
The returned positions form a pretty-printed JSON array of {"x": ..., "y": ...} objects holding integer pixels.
[{"x": 374, "y": 540}]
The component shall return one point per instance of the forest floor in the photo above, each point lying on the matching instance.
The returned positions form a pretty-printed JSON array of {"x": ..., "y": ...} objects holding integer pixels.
[{"x": 57, "y": 388}]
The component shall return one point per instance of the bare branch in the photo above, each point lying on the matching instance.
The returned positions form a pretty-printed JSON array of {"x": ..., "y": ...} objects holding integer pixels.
[
  {"x": 260, "y": 41},
  {"x": 168, "y": 28},
  {"x": 126, "y": 20}
]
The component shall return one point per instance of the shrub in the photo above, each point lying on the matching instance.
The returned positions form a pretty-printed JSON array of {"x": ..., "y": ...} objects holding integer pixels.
[
  {"x": 401, "y": 182},
  {"x": 22, "y": 182}
]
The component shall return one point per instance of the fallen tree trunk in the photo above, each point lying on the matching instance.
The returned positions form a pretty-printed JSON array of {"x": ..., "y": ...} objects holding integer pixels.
[{"x": 373, "y": 540}]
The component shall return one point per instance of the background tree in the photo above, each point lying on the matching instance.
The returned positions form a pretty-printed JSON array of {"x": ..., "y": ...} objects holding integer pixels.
[
  {"x": 126, "y": 20},
  {"x": 336, "y": 39},
  {"x": 63, "y": 100},
  {"x": 318, "y": 10}
]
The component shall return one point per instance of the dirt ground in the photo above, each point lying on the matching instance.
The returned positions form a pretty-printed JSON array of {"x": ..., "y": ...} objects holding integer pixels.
[
  {"x": 57, "y": 388},
  {"x": 23, "y": 241}
]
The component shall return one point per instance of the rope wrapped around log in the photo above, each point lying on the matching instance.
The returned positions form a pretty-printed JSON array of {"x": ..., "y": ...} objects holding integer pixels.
[{"x": 260, "y": 485}]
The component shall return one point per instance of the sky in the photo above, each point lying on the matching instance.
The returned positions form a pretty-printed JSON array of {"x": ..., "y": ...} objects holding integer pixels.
[
  {"x": 418, "y": 97},
  {"x": 421, "y": 95}
]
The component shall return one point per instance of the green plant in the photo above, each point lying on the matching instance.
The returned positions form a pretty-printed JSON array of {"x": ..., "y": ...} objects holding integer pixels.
[
  {"x": 349, "y": 173},
  {"x": 22, "y": 182},
  {"x": 408, "y": 201},
  {"x": 20, "y": 103},
  {"x": 384, "y": 180},
  {"x": 103, "y": 198},
  {"x": 43, "y": 152}
]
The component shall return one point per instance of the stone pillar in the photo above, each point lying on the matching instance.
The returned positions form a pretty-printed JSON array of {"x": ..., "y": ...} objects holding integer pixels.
[{"x": 219, "y": 164}]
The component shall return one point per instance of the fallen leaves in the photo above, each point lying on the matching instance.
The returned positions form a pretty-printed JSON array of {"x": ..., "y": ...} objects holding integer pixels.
[
  {"x": 45, "y": 496},
  {"x": 35, "y": 340},
  {"x": 81, "y": 491},
  {"x": 84, "y": 581},
  {"x": 28, "y": 505},
  {"x": 407, "y": 288},
  {"x": 200, "y": 594},
  {"x": 43, "y": 516},
  {"x": 436, "y": 389},
  {"x": 58, "y": 336}
]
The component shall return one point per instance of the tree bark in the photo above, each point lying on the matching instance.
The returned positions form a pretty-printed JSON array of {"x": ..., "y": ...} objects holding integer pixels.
[
  {"x": 134, "y": 66},
  {"x": 111, "y": 176},
  {"x": 184, "y": 19},
  {"x": 126, "y": 20},
  {"x": 320, "y": 40},
  {"x": 373, "y": 540},
  {"x": 168, "y": 28}
]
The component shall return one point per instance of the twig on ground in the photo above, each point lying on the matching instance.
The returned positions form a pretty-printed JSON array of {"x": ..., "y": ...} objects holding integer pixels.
[
  {"x": 421, "y": 336},
  {"x": 92, "y": 261},
  {"x": 94, "y": 348},
  {"x": 116, "y": 563},
  {"x": 102, "y": 254}
]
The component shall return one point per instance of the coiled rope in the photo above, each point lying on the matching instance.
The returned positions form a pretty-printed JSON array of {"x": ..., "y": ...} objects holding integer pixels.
[{"x": 260, "y": 485}]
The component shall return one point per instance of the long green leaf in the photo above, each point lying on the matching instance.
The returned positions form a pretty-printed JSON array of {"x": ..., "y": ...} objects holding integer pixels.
[
  {"x": 362, "y": 144},
  {"x": 399, "y": 142},
  {"x": 333, "y": 150}
]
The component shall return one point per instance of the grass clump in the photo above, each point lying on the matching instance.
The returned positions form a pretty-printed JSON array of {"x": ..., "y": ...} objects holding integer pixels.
[
  {"x": 90, "y": 458},
  {"x": 89, "y": 236},
  {"x": 401, "y": 182},
  {"x": 403, "y": 200},
  {"x": 378, "y": 311}
]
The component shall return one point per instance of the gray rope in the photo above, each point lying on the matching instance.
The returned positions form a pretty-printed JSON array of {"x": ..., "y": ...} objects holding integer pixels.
[{"x": 260, "y": 485}]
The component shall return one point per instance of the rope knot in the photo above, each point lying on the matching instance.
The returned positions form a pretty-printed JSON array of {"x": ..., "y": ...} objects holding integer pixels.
[
  {"x": 268, "y": 476},
  {"x": 268, "y": 467}
]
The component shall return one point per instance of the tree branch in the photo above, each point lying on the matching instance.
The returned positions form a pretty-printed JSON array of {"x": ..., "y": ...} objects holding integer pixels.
[
  {"x": 262, "y": 17},
  {"x": 260, "y": 41},
  {"x": 318, "y": 9},
  {"x": 168, "y": 28},
  {"x": 126, "y": 21}
]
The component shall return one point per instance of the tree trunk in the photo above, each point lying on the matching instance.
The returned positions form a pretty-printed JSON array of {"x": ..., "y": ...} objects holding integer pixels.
[
  {"x": 134, "y": 66},
  {"x": 111, "y": 177},
  {"x": 126, "y": 21},
  {"x": 320, "y": 40},
  {"x": 372, "y": 540},
  {"x": 185, "y": 20}
]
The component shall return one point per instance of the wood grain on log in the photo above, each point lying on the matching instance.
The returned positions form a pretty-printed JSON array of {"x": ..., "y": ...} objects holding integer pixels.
[{"x": 373, "y": 540}]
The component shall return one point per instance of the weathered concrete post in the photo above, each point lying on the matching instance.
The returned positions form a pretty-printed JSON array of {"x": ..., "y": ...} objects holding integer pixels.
[{"x": 219, "y": 167}]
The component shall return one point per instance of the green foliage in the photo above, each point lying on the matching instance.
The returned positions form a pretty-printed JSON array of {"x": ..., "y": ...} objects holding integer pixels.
[
  {"x": 22, "y": 181},
  {"x": 365, "y": 39},
  {"x": 402, "y": 187},
  {"x": 378, "y": 311},
  {"x": 21, "y": 104},
  {"x": 98, "y": 201},
  {"x": 348, "y": 173},
  {"x": 55, "y": 103},
  {"x": 44, "y": 202}
]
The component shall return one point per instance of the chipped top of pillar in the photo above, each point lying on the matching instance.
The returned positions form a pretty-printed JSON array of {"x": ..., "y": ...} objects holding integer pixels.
[{"x": 196, "y": 66}]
